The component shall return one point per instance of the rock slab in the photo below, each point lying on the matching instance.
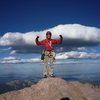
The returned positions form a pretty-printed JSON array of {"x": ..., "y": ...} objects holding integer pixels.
[{"x": 54, "y": 89}]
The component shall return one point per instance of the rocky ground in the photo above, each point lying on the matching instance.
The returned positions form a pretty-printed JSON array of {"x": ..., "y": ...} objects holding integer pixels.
[{"x": 55, "y": 89}]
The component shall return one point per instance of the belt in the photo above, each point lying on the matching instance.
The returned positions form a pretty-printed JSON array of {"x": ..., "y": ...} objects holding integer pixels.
[
  {"x": 49, "y": 50},
  {"x": 49, "y": 53}
]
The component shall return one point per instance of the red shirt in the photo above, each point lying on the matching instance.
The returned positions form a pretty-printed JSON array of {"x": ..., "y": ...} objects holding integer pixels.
[{"x": 48, "y": 43}]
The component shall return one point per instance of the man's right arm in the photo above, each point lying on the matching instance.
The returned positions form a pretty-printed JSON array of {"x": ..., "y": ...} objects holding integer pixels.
[{"x": 39, "y": 42}]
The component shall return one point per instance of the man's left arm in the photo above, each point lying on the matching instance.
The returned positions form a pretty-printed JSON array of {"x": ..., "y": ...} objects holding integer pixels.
[{"x": 58, "y": 41}]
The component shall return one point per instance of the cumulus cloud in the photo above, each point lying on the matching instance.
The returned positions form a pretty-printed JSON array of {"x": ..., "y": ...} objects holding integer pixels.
[
  {"x": 10, "y": 58},
  {"x": 81, "y": 48},
  {"x": 5, "y": 49},
  {"x": 75, "y": 54},
  {"x": 18, "y": 60},
  {"x": 75, "y": 36},
  {"x": 64, "y": 55}
]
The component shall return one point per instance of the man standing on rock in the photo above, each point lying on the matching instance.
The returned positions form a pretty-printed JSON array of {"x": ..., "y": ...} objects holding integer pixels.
[{"x": 49, "y": 54}]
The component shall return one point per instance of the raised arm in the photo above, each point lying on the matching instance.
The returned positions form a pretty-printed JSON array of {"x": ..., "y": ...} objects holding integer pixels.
[
  {"x": 39, "y": 42},
  {"x": 58, "y": 41}
]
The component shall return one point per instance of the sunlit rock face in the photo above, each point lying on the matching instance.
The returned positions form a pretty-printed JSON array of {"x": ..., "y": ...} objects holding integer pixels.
[{"x": 55, "y": 89}]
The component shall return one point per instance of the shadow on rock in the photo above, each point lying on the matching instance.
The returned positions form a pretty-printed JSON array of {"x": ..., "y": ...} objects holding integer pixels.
[{"x": 65, "y": 98}]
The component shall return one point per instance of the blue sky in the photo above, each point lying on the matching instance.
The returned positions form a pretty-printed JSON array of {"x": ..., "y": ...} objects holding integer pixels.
[
  {"x": 37, "y": 15},
  {"x": 28, "y": 15}
]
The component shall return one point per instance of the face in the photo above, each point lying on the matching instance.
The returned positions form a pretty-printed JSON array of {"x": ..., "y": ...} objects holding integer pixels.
[{"x": 48, "y": 36}]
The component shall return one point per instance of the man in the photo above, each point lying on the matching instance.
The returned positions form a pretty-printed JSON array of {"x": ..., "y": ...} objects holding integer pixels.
[{"x": 49, "y": 52}]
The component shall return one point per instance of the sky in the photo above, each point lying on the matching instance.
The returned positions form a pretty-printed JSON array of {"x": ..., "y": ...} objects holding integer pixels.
[
  {"x": 37, "y": 15},
  {"x": 21, "y": 19}
]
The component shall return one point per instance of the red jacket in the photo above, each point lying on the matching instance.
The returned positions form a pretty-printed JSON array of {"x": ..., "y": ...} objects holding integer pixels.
[{"x": 48, "y": 43}]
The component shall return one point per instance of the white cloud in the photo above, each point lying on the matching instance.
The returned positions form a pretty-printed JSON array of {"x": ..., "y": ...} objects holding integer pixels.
[
  {"x": 18, "y": 60},
  {"x": 81, "y": 48},
  {"x": 13, "y": 52},
  {"x": 75, "y": 54},
  {"x": 64, "y": 55},
  {"x": 75, "y": 36},
  {"x": 5, "y": 49},
  {"x": 10, "y": 58}
]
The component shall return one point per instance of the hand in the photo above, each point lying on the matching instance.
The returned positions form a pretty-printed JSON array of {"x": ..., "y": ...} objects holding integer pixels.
[
  {"x": 61, "y": 36},
  {"x": 37, "y": 37}
]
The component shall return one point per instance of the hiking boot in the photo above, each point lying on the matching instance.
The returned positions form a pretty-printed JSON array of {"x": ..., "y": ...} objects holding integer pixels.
[
  {"x": 45, "y": 76},
  {"x": 52, "y": 75}
]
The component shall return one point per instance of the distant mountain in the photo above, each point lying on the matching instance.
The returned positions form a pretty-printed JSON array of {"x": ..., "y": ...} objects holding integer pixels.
[{"x": 15, "y": 85}]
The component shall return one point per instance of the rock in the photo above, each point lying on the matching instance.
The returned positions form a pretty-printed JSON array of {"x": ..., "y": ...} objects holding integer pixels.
[{"x": 54, "y": 89}]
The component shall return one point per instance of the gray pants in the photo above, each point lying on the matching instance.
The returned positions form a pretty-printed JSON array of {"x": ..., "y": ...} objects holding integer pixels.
[{"x": 48, "y": 59}]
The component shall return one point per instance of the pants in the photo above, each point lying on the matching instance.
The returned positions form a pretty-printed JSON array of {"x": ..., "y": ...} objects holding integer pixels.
[{"x": 49, "y": 59}]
